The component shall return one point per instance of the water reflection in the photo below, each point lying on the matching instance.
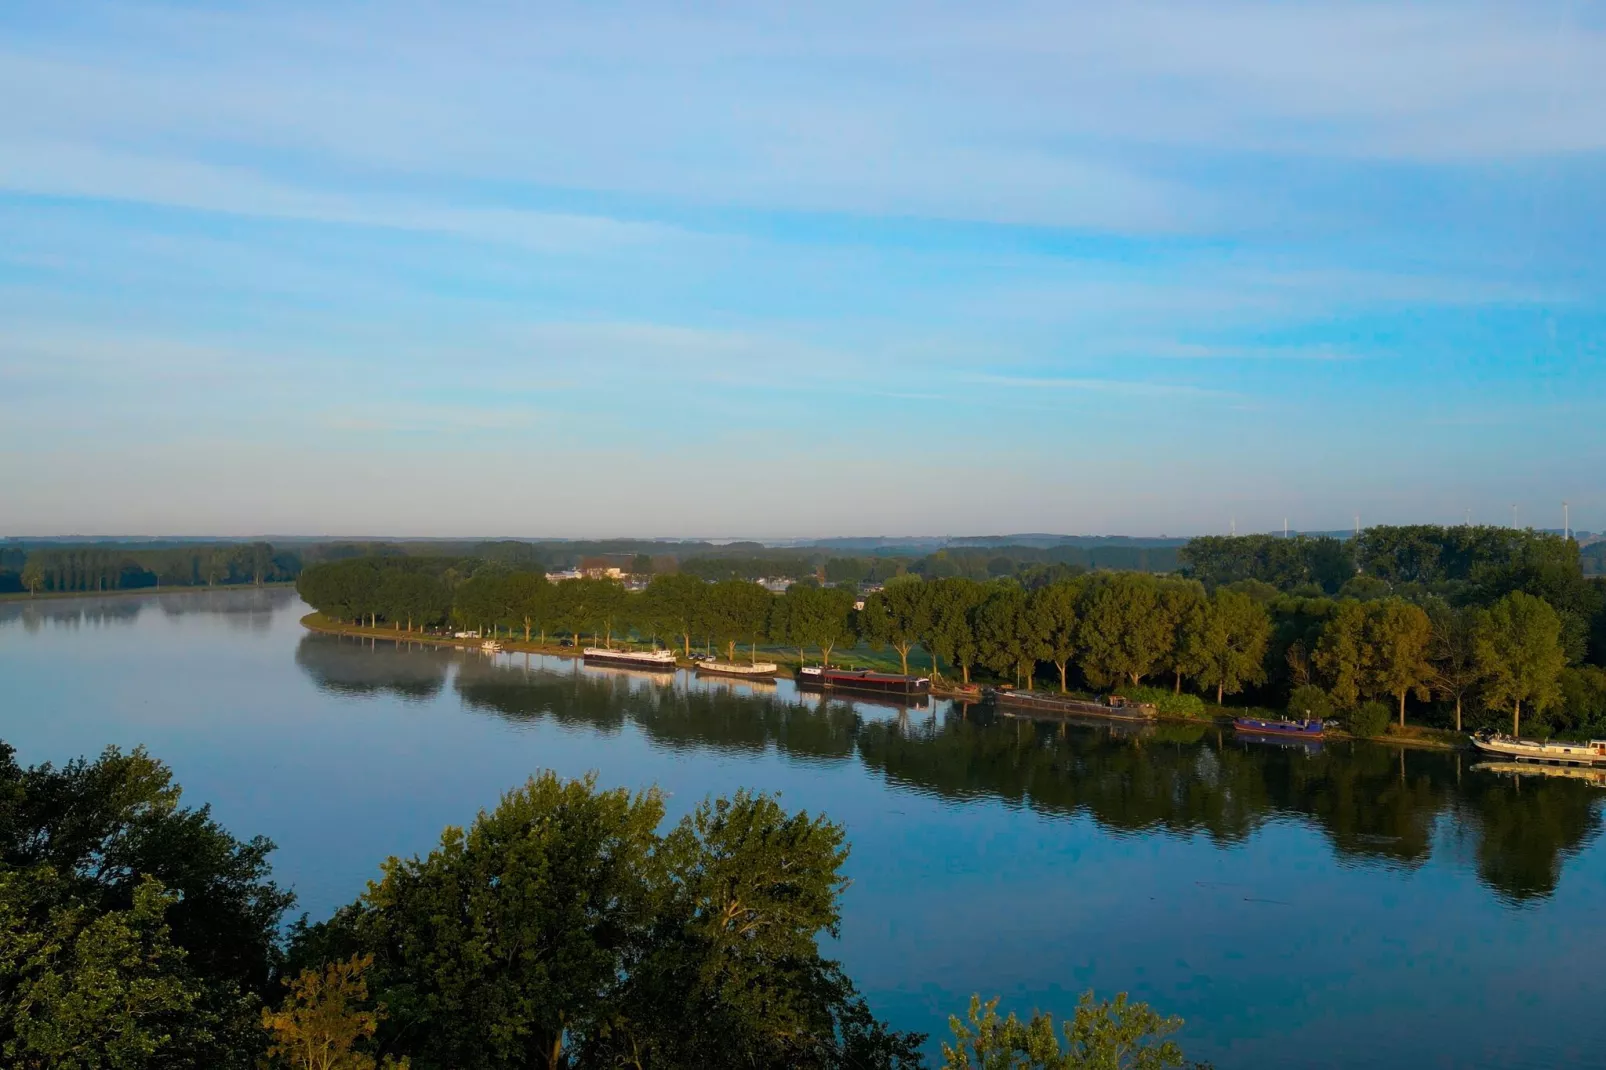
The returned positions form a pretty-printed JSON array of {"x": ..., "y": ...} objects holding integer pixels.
[
  {"x": 73, "y": 613},
  {"x": 674, "y": 712},
  {"x": 365, "y": 667},
  {"x": 1377, "y": 806},
  {"x": 243, "y": 608}
]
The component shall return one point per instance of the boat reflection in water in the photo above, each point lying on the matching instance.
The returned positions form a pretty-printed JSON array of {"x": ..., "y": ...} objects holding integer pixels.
[
  {"x": 1295, "y": 743},
  {"x": 1587, "y": 774}
]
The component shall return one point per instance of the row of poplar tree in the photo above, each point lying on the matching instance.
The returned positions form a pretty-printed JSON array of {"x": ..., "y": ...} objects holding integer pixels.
[{"x": 1101, "y": 630}]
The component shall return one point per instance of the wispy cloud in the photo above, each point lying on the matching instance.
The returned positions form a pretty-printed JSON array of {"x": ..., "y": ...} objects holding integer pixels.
[
  {"x": 62, "y": 169},
  {"x": 409, "y": 417},
  {"x": 1171, "y": 349},
  {"x": 1126, "y": 387},
  {"x": 770, "y": 234}
]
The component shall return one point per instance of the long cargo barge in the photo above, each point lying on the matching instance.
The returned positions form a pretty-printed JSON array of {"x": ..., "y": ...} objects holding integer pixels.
[
  {"x": 761, "y": 670},
  {"x": 1113, "y": 708},
  {"x": 865, "y": 680},
  {"x": 650, "y": 660}
]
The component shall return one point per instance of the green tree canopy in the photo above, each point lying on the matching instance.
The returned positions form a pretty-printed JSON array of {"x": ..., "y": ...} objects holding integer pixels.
[
  {"x": 127, "y": 919},
  {"x": 1124, "y": 634},
  {"x": 562, "y": 930},
  {"x": 1229, "y": 648},
  {"x": 529, "y": 599},
  {"x": 1400, "y": 634},
  {"x": 507, "y": 939},
  {"x": 810, "y": 616},
  {"x": 677, "y": 605},
  {"x": 1056, "y": 618},
  {"x": 1343, "y": 655},
  {"x": 897, "y": 616},
  {"x": 738, "y": 611},
  {"x": 1453, "y": 671},
  {"x": 1109, "y": 1035},
  {"x": 732, "y": 976},
  {"x": 950, "y": 630},
  {"x": 84, "y": 988},
  {"x": 1006, "y": 632},
  {"x": 1182, "y": 606},
  {"x": 1517, "y": 645}
]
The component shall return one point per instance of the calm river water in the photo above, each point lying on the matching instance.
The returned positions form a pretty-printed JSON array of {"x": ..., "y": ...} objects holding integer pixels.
[{"x": 1359, "y": 906}]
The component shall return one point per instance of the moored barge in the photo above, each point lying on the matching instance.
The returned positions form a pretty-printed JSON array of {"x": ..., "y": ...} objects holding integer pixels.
[
  {"x": 758, "y": 670},
  {"x": 1549, "y": 752},
  {"x": 1256, "y": 726},
  {"x": 1115, "y": 707},
  {"x": 865, "y": 680},
  {"x": 651, "y": 660}
]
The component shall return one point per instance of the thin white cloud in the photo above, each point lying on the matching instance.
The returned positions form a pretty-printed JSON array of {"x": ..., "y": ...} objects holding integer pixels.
[
  {"x": 1024, "y": 112},
  {"x": 411, "y": 417},
  {"x": 1084, "y": 384},
  {"x": 63, "y": 169}
]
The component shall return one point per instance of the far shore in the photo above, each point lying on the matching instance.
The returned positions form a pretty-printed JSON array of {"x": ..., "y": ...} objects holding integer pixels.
[
  {"x": 1415, "y": 736},
  {"x": 56, "y": 596}
]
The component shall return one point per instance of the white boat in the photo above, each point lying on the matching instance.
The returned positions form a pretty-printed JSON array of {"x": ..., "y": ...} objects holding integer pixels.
[
  {"x": 1557, "y": 752},
  {"x": 737, "y": 668},
  {"x": 491, "y": 646},
  {"x": 656, "y": 660}
]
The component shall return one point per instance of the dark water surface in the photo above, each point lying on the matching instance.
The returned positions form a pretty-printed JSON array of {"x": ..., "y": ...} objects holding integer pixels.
[{"x": 1358, "y": 906}]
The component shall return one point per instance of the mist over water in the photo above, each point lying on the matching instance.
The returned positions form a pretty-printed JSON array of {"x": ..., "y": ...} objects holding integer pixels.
[{"x": 1342, "y": 905}]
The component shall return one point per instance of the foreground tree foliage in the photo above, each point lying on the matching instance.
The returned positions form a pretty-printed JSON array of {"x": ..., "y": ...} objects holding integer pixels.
[
  {"x": 324, "y": 1019},
  {"x": 562, "y": 930},
  {"x": 85, "y": 989},
  {"x": 133, "y": 928},
  {"x": 1113, "y": 1035}
]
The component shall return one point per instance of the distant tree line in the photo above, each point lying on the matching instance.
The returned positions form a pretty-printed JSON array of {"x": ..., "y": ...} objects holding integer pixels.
[
  {"x": 1461, "y": 565},
  {"x": 1402, "y": 643},
  {"x": 112, "y": 567},
  {"x": 566, "y": 929}
]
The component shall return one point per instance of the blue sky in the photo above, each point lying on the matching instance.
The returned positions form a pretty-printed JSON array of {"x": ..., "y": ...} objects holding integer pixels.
[{"x": 525, "y": 269}]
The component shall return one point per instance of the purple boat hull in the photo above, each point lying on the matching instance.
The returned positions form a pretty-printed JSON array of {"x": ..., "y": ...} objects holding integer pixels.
[{"x": 1293, "y": 729}]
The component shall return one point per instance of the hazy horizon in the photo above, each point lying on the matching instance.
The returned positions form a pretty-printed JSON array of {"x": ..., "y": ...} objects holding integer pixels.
[
  {"x": 768, "y": 540},
  {"x": 472, "y": 267}
]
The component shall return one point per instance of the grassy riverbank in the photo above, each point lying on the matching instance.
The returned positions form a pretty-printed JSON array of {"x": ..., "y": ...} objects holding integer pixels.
[
  {"x": 54, "y": 596},
  {"x": 857, "y": 657}
]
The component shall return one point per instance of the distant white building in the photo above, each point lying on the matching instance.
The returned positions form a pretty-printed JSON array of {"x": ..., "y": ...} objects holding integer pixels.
[
  {"x": 566, "y": 574},
  {"x": 775, "y": 586}
]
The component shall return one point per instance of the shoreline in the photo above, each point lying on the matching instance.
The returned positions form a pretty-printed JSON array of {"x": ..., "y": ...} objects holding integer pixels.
[
  {"x": 60, "y": 596},
  {"x": 317, "y": 622}
]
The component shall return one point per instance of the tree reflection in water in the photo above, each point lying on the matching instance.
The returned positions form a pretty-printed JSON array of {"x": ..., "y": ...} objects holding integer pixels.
[
  {"x": 348, "y": 666},
  {"x": 1377, "y": 805}
]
